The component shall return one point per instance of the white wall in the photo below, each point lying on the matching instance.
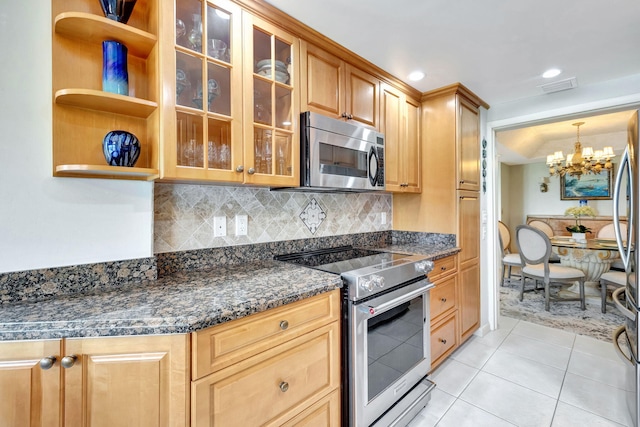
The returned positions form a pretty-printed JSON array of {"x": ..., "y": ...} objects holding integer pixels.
[{"x": 46, "y": 221}]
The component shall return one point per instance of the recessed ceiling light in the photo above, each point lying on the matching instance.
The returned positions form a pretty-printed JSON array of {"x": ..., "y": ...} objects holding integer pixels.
[
  {"x": 551, "y": 73},
  {"x": 416, "y": 75}
]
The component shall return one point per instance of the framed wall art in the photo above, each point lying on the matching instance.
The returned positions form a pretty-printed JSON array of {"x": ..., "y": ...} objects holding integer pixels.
[{"x": 589, "y": 186}]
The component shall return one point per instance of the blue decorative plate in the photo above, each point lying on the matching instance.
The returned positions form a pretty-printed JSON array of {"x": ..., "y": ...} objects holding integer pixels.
[{"x": 121, "y": 148}]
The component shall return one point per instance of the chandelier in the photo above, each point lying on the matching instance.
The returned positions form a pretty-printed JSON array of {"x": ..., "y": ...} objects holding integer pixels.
[{"x": 581, "y": 161}]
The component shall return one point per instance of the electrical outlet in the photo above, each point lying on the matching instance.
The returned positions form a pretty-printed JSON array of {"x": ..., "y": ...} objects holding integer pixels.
[
  {"x": 219, "y": 226},
  {"x": 242, "y": 225},
  {"x": 384, "y": 218}
]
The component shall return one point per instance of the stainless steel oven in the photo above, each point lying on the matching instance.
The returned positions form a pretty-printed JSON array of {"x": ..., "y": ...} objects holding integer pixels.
[{"x": 386, "y": 351}]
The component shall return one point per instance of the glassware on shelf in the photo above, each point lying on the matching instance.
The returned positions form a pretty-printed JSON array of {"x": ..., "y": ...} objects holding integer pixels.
[
  {"x": 217, "y": 49},
  {"x": 213, "y": 91},
  {"x": 181, "y": 29},
  {"x": 195, "y": 35}
]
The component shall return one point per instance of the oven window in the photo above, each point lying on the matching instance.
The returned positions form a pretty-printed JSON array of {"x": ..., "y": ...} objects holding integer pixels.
[
  {"x": 395, "y": 344},
  {"x": 336, "y": 160}
]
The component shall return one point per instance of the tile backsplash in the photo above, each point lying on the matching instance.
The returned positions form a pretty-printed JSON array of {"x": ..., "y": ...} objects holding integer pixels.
[{"x": 183, "y": 217}]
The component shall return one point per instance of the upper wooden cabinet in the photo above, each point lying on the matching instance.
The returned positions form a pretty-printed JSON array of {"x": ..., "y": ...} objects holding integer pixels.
[
  {"x": 82, "y": 112},
  {"x": 450, "y": 145},
  {"x": 400, "y": 123},
  {"x": 232, "y": 81},
  {"x": 468, "y": 145},
  {"x": 337, "y": 89}
]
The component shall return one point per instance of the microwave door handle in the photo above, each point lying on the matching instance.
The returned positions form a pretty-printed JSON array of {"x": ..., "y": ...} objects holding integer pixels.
[{"x": 625, "y": 166}]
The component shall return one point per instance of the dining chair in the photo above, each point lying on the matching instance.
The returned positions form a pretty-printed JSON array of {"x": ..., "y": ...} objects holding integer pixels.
[
  {"x": 534, "y": 247},
  {"x": 548, "y": 231},
  {"x": 505, "y": 235},
  {"x": 509, "y": 260},
  {"x": 612, "y": 278},
  {"x": 608, "y": 232}
]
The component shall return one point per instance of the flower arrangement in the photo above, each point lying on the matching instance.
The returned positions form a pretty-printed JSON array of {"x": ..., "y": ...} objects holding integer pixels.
[{"x": 577, "y": 212}]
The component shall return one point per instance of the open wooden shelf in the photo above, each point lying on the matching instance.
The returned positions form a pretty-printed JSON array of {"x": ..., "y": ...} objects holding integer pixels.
[
  {"x": 105, "y": 171},
  {"x": 95, "y": 29},
  {"x": 106, "y": 101}
]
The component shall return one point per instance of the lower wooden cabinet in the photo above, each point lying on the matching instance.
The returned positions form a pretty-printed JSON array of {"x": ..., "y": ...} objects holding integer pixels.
[
  {"x": 30, "y": 394},
  {"x": 279, "y": 367},
  {"x": 444, "y": 303},
  {"x": 114, "y": 381}
]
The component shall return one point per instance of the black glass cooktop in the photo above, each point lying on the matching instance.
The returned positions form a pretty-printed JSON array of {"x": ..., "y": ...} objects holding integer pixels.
[{"x": 342, "y": 259}]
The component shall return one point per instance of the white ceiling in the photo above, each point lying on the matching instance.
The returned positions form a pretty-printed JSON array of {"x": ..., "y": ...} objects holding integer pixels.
[{"x": 496, "y": 48}]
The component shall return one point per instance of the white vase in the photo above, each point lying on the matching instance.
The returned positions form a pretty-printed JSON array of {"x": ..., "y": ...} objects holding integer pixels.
[{"x": 579, "y": 237}]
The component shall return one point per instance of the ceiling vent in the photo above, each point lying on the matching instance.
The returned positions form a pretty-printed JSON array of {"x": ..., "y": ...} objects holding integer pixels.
[{"x": 560, "y": 85}]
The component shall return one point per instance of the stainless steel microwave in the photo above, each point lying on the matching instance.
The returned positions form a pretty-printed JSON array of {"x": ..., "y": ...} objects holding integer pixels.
[{"x": 340, "y": 156}]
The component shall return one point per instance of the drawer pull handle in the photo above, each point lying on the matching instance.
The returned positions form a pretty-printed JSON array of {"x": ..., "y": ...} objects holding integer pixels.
[
  {"x": 47, "y": 362},
  {"x": 284, "y": 325},
  {"x": 443, "y": 268},
  {"x": 68, "y": 361},
  {"x": 443, "y": 299},
  {"x": 443, "y": 341},
  {"x": 284, "y": 386}
]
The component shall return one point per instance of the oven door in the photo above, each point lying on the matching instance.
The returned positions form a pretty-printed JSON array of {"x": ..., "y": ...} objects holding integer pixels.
[{"x": 390, "y": 350}]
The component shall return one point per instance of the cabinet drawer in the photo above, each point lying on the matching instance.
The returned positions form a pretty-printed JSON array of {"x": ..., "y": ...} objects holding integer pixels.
[
  {"x": 443, "y": 297},
  {"x": 442, "y": 267},
  {"x": 443, "y": 337},
  {"x": 325, "y": 413},
  {"x": 220, "y": 346},
  {"x": 271, "y": 387}
]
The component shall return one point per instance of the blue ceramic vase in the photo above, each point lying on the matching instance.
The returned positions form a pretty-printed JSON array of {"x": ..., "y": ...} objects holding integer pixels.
[
  {"x": 118, "y": 10},
  {"x": 121, "y": 148},
  {"x": 115, "y": 78}
]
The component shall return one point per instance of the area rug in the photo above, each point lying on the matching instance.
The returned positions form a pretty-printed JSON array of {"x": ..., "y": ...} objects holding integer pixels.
[{"x": 564, "y": 315}]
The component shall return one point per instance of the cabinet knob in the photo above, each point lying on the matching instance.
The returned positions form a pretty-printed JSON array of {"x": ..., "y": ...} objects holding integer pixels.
[
  {"x": 443, "y": 341},
  {"x": 346, "y": 116},
  {"x": 284, "y": 325},
  {"x": 68, "y": 361},
  {"x": 251, "y": 171},
  {"x": 443, "y": 268},
  {"x": 443, "y": 299},
  {"x": 240, "y": 168},
  {"x": 284, "y": 386},
  {"x": 48, "y": 362}
]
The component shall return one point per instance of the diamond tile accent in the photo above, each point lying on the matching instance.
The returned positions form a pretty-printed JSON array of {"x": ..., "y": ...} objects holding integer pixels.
[{"x": 312, "y": 215}]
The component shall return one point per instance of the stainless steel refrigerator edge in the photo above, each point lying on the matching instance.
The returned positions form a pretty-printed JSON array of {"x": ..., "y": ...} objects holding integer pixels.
[{"x": 625, "y": 338}]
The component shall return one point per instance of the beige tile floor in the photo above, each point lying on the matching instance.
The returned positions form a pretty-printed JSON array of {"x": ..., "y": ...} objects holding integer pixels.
[{"x": 523, "y": 374}]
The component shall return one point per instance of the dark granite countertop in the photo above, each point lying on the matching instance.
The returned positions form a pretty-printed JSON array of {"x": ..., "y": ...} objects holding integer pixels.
[{"x": 179, "y": 303}]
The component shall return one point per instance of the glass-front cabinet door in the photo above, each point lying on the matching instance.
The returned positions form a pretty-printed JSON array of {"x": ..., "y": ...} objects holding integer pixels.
[
  {"x": 272, "y": 108},
  {"x": 205, "y": 141}
]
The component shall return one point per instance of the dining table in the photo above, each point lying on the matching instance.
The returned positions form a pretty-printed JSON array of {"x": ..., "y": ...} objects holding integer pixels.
[{"x": 593, "y": 256}]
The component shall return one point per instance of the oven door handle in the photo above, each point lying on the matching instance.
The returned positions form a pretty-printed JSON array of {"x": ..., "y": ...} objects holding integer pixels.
[{"x": 380, "y": 308}]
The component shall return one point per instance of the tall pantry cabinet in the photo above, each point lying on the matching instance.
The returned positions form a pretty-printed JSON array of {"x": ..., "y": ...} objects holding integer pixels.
[{"x": 450, "y": 198}]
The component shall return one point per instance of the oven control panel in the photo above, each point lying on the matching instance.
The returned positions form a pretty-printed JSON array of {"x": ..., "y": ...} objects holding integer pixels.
[{"x": 371, "y": 282}]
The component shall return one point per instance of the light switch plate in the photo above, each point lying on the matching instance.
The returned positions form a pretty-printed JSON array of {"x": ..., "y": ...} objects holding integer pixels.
[{"x": 219, "y": 226}]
